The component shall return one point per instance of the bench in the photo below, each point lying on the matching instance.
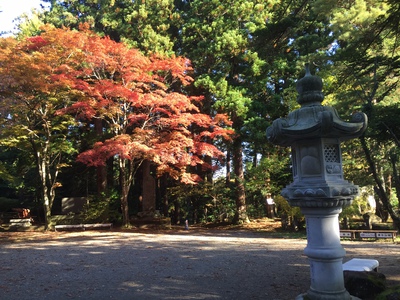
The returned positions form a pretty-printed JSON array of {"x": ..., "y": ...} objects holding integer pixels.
[
  {"x": 360, "y": 233},
  {"x": 84, "y": 226},
  {"x": 20, "y": 222},
  {"x": 361, "y": 265}
]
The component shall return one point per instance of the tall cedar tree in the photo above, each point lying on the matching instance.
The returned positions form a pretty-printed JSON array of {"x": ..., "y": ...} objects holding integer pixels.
[
  {"x": 226, "y": 67},
  {"x": 367, "y": 63}
]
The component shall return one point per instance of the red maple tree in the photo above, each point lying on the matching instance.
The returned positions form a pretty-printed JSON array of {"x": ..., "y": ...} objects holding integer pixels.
[{"x": 141, "y": 100}]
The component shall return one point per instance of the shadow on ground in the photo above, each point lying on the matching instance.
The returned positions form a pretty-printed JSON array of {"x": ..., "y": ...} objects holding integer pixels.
[
  {"x": 118, "y": 265},
  {"x": 179, "y": 265}
]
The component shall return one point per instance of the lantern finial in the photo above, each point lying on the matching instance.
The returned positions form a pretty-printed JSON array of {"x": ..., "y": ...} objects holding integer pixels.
[{"x": 309, "y": 89}]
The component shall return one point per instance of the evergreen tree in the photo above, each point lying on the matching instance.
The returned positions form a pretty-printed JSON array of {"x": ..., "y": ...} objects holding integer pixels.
[
  {"x": 145, "y": 25},
  {"x": 217, "y": 38},
  {"x": 366, "y": 64}
]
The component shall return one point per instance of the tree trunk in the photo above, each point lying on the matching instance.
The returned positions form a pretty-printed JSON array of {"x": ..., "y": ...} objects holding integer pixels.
[
  {"x": 395, "y": 216},
  {"x": 148, "y": 188},
  {"x": 241, "y": 210},
  {"x": 48, "y": 183},
  {"x": 177, "y": 212},
  {"x": 126, "y": 180},
  {"x": 163, "y": 194},
  {"x": 396, "y": 178},
  {"x": 101, "y": 171},
  {"x": 228, "y": 169},
  {"x": 48, "y": 195},
  {"x": 110, "y": 173},
  {"x": 255, "y": 160},
  {"x": 209, "y": 173},
  {"x": 45, "y": 196},
  {"x": 379, "y": 187}
]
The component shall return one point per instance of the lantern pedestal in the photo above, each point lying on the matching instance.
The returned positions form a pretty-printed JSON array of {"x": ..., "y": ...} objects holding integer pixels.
[{"x": 325, "y": 254}]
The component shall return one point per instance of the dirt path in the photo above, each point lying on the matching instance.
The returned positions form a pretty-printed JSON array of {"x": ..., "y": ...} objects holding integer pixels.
[{"x": 194, "y": 264}]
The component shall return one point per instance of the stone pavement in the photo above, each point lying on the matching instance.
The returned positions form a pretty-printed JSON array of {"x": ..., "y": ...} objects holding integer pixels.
[{"x": 182, "y": 265}]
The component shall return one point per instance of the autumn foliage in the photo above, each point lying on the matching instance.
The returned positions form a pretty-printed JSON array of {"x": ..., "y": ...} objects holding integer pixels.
[{"x": 140, "y": 101}]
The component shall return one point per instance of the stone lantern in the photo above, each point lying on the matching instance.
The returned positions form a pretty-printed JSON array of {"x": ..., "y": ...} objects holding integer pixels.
[{"x": 314, "y": 133}]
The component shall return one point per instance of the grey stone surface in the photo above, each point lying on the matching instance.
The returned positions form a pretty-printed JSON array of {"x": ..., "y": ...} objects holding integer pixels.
[{"x": 177, "y": 265}]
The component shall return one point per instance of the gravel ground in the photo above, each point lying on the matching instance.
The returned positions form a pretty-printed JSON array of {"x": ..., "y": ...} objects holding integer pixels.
[{"x": 212, "y": 264}]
